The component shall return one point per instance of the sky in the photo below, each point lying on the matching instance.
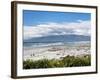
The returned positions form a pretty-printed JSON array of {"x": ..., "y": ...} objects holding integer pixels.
[{"x": 45, "y": 23}]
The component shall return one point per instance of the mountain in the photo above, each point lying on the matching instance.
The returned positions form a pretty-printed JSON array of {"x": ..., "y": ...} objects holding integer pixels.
[{"x": 60, "y": 38}]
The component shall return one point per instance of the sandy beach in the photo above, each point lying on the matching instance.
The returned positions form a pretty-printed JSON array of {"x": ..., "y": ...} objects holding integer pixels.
[{"x": 55, "y": 52}]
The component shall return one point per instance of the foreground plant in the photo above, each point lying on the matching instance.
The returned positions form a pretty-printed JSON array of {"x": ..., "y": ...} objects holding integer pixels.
[{"x": 68, "y": 61}]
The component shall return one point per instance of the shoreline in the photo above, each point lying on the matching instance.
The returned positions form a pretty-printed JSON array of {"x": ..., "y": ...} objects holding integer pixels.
[{"x": 56, "y": 52}]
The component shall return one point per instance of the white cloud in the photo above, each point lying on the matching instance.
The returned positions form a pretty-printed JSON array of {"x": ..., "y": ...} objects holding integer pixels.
[{"x": 78, "y": 28}]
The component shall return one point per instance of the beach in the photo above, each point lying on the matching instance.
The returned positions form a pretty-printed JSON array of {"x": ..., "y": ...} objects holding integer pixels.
[{"x": 56, "y": 51}]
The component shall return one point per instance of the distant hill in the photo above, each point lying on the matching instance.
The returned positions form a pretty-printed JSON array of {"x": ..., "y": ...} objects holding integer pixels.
[{"x": 60, "y": 38}]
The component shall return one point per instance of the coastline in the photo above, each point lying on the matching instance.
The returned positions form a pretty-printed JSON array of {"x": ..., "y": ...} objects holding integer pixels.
[{"x": 56, "y": 52}]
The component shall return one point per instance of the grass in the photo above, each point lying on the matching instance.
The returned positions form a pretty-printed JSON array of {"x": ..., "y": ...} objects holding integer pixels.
[{"x": 68, "y": 61}]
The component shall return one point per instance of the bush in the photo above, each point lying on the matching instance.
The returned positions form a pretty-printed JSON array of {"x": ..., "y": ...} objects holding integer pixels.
[{"x": 68, "y": 61}]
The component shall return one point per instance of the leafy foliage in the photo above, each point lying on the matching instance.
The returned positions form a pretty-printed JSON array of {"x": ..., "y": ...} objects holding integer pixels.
[{"x": 68, "y": 61}]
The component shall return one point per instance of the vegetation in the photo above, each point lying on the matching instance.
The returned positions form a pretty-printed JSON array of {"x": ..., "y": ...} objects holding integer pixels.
[{"x": 68, "y": 61}]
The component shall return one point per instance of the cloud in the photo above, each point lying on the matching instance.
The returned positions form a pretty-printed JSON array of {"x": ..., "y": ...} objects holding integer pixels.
[{"x": 78, "y": 28}]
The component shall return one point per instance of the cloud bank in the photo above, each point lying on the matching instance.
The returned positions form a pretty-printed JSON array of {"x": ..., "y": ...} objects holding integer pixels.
[{"x": 47, "y": 29}]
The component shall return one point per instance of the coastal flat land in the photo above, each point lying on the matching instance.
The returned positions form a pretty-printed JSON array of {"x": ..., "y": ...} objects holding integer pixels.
[{"x": 56, "y": 51}]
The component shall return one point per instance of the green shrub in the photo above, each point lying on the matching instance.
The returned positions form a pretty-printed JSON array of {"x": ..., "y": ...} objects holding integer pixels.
[
  {"x": 67, "y": 61},
  {"x": 56, "y": 63}
]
